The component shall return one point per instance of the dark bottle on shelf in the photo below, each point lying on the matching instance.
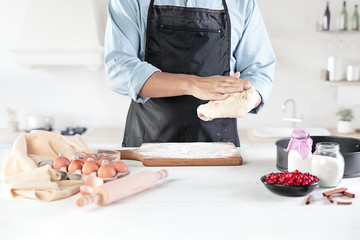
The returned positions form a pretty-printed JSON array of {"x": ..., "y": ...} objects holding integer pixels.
[
  {"x": 344, "y": 18},
  {"x": 326, "y": 18}
]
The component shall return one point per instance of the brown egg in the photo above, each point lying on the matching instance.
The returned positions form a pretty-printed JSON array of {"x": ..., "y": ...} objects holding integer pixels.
[
  {"x": 60, "y": 162},
  {"x": 75, "y": 165},
  {"x": 120, "y": 167},
  {"x": 106, "y": 170},
  {"x": 101, "y": 160},
  {"x": 89, "y": 167}
]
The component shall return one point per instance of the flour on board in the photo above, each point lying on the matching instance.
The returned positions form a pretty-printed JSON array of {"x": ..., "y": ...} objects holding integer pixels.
[{"x": 188, "y": 150}]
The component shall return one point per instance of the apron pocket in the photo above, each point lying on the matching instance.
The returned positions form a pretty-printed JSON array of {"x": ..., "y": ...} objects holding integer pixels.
[{"x": 187, "y": 49}]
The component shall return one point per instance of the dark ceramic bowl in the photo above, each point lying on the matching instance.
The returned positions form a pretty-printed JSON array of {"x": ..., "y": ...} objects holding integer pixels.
[
  {"x": 289, "y": 191},
  {"x": 349, "y": 148}
]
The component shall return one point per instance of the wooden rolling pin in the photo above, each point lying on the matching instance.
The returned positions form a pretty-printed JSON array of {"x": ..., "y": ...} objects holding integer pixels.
[{"x": 118, "y": 189}]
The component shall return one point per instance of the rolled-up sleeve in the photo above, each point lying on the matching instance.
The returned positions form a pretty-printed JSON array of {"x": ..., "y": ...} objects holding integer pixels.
[
  {"x": 126, "y": 73},
  {"x": 254, "y": 54}
]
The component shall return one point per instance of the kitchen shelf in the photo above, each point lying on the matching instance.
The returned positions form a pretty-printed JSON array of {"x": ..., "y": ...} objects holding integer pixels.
[
  {"x": 341, "y": 83},
  {"x": 318, "y": 28},
  {"x": 339, "y": 32}
]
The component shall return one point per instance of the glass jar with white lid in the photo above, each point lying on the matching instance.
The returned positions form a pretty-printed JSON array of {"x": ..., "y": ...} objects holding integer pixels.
[{"x": 328, "y": 164}]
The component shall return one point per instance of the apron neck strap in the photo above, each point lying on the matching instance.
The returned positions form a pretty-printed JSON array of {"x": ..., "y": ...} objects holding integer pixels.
[
  {"x": 223, "y": 1},
  {"x": 225, "y": 6},
  {"x": 151, "y": 4}
]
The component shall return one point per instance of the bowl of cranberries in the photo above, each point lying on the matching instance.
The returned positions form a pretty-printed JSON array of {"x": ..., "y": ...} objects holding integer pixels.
[{"x": 292, "y": 184}]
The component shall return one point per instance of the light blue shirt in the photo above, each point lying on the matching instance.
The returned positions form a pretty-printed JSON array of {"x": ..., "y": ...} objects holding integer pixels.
[{"x": 127, "y": 71}]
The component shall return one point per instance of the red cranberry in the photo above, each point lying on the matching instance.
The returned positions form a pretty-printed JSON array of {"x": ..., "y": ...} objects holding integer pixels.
[{"x": 295, "y": 178}]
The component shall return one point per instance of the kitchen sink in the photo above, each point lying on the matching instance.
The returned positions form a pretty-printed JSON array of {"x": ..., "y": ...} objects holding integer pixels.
[{"x": 272, "y": 132}]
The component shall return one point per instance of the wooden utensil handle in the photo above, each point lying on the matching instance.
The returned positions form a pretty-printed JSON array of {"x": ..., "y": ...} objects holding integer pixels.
[
  {"x": 131, "y": 155},
  {"x": 121, "y": 188},
  {"x": 88, "y": 199}
]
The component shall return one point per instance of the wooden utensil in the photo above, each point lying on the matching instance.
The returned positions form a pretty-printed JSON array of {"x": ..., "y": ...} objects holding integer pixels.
[
  {"x": 118, "y": 189},
  {"x": 185, "y": 154},
  {"x": 83, "y": 143}
]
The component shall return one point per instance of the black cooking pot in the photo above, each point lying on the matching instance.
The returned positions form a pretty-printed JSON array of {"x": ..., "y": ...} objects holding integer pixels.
[{"x": 349, "y": 148}]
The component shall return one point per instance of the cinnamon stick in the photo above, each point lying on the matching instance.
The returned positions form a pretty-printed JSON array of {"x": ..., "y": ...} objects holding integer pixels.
[
  {"x": 329, "y": 197},
  {"x": 344, "y": 203},
  {"x": 308, "y": 200},
  {"x": 337, "y": 190},
  {"x": 349, "y": 195}
]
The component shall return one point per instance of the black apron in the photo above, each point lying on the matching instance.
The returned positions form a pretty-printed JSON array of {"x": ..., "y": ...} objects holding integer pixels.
[{"x": 190, "y": 41}]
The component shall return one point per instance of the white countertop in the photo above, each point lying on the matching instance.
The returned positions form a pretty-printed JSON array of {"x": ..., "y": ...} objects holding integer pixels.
[{"x": 192, "y": 203}]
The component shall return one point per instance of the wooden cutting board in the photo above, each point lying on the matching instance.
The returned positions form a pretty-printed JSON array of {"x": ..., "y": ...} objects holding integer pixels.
[{"x": 185, "y": 154}]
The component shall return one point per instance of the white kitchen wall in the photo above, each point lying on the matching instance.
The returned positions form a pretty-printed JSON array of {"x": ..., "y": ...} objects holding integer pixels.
[
  {"x": 76, "y": 96},
  {"x": 301, "y": 53}
]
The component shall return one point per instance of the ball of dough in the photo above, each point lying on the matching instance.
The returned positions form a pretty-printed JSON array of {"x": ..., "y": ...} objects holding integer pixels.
[{"x": 236, "y": 105}]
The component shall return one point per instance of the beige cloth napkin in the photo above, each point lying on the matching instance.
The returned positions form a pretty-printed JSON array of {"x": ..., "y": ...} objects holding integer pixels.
[{"x": 26, "y": 179}]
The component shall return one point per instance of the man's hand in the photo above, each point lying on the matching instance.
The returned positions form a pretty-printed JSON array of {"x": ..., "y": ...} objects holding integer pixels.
[
  {"x": 237, "y": 75},
  {"x": 162, "y": 84},
  {"x": 217, "y": 87},
  {"x": 246, "y": 85}
]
